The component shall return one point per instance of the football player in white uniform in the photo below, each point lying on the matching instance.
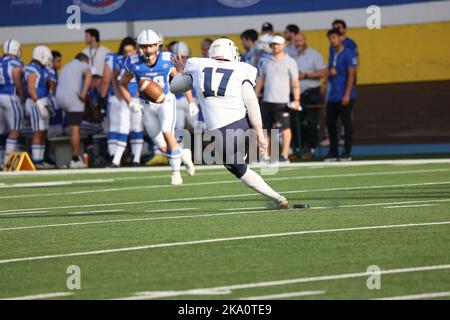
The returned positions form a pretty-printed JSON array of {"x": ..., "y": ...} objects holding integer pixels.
[
  {"x": 224, "y": 88},
  {"x": 12, "y": 96},
  {"x": 159, "y": 119}
]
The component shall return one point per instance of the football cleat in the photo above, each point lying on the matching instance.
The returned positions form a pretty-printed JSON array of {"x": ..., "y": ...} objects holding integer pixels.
[
  {"x": 283, "y": 203},
  {"x": 186, "y": 157},
  {"x": 158, "y": 160},
  {"x": 76, "y": 164},
  {"x": 176, "y": 179}
]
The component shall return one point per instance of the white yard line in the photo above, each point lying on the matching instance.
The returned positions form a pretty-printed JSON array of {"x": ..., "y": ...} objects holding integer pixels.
[
  {"x": 379, "y": 204},
  {"x": 219, "y": 240},
  {"x": 170, "y": 210},
  {"x": 224, "y": 290},
  {"x": 229, "y": 212},
  {"x": 411, "y": 206},
  {"x": 419, "y": 296},
  {"x": 229, "y": 196},
  {"x": 286, "y": 295},
  {"x": 53, "y": 183},
  {"x": 93, "y": 212},
  {"x": 42, "y": 296},
  {"x": 21, "y": 213},
  {"x": 347, "y": 175},
  {"x": 217, "y": 167}
]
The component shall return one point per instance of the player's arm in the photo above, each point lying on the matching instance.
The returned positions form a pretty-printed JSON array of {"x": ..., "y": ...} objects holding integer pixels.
[
  {"x": 260, "y": 85},
  {"x": 115, "y": 83},
  {"x": 87, "y": 75},
  {"x": 349, "y": 86},
  {"x": 254, "y": 113},
  {"x": 32, "y": 79},
  {"x": 123, "y": 86},
  {"x": 17, "y": 77}
]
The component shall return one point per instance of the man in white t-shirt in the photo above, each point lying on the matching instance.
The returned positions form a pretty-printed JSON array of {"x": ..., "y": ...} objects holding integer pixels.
[
  {"x": 95, "y": 52},
  {"x": 71, "y": 93}
]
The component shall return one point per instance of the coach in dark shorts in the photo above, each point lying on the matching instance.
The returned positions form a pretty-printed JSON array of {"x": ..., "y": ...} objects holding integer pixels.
[
  {"x": 279, "y": 76},
  {"x": 71, "y": 93}
]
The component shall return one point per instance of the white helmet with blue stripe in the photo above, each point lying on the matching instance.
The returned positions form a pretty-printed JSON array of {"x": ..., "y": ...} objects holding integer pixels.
[
  {"x": 12, "y": 47},
  {"x": 148, "y": 37},
  {"x": 43, "y": 55}
]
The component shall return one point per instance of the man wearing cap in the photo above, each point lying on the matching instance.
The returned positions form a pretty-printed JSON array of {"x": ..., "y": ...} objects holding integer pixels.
[
  {"x": 279, "y": 75},
  {"x": 267, "y": 28}
]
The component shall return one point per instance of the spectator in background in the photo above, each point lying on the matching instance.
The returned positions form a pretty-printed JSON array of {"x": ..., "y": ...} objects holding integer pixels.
[
  {"x": 289, "y": 34},
  {"x": 249, "y": 38},
  {"x": 267, "y": 28},
  {"x": 341, "y": 96},
  {"x": 312, "y": 69},
  {"x": 204, "y": 47},
  {"x": 95, "y": 52},
  {"x": 56, "y": 117},
  {"x": 347, "y": 42},
  {"x": 279, "y": 74},
  {"x": 71, "y": 94}
]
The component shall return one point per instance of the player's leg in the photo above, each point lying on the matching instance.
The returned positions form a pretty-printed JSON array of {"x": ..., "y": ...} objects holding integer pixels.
[
  {"x": 123, "y": 130},
  {"x": 3, "y": 137},
  {"x": 136, "y": 137},
  {"x": 152, "y": 127},
  {"x": 13, "y": 114},
  {"x": 38, "y": 128},
  {"x": 236, "y": 165},
  {"x": 167, "y": 116},
  {"x": 331, "y": 120},
  {"x": 114, "y": 123}
]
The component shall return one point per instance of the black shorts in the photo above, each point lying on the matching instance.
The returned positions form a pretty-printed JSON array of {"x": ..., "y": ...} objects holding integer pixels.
[
  {"x": 75, "y": 118},
  {"x": 275, "y": 116}
]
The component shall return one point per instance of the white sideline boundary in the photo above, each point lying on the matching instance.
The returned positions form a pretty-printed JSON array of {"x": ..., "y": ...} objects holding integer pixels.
[
  {"x": 233, "y": 181},
  {"x": 216, "y": 167},
  {"x": 19, "y": 211},
  {"x": 220, "y": 240},
  {"x": 228, "y": 212},
  {"x": 42, "y": 296},
  {"x": 225, "y": 290}
]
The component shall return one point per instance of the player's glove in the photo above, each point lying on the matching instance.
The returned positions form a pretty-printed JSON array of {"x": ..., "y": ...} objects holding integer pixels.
[
  {"x": 43, "y": 109},
  {"x": 135, "y": 107},
  {"x": 193, "y": 109}
]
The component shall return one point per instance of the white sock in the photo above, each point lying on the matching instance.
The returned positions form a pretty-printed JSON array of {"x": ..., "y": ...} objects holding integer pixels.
[
  {"x": 136, "y": 150},
  {"x": 253, "y": 180},
  {"x": 41, "y": 153},
  {"x": 120, "y": 149},
  {"x": 112, "y": 144},
  {"x": 175, "y": 159},
  {"x": 11, "y": 145},
  {"x": 35, "y": 152}
]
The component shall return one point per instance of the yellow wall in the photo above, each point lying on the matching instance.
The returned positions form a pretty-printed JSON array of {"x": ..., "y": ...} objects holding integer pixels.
[{"x": 393, "y": 54}]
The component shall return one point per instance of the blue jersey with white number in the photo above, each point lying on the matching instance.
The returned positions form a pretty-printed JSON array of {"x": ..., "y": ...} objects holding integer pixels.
[
  {"x": 7, "y": 65},
  {"x": 43, "y": 76},
  {"x": 133, "y": 87},
  {"x": 159, "y": 72}
]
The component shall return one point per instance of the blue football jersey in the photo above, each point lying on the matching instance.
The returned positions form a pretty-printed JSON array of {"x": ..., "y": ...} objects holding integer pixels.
[
  {"x": 112, "y": 60},
  {"x": 133, "y": 87},
  {"x": 7, "y": 65},
  {"x": 43, "y": 76},
  {"x": 159, "y": 72},
  {"x": 53, "y": 74}
]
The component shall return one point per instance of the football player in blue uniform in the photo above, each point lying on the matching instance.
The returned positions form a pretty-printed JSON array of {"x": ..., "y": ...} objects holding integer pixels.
[
  {"x": 12, "y": 96},
  {"x": 37, "y": 84},
  {"x": 130, "y": 123},
  {"x": 159, "y": 118}
]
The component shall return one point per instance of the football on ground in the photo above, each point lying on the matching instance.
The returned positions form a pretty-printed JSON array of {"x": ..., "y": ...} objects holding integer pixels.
[{"x": 151, "y": 90}]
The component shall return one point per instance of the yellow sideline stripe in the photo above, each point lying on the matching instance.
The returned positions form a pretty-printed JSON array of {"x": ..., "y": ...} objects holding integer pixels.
[{"x": 407, "y": 53}]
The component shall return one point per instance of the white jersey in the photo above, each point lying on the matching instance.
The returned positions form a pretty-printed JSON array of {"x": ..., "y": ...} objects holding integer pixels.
[{"x": 218, "y": 85}]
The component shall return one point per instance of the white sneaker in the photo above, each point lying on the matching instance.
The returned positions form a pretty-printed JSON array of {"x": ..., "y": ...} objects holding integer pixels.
[
  {"x": 186, "y": 157},
  {"x": 76, "y": 164},
  {"x": 176, "y": 179}
]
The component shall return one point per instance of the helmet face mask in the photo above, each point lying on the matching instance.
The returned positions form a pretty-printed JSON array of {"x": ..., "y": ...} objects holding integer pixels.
[
  {"x": 224, "y": 49},
  {"x": 148, "y": 42}
]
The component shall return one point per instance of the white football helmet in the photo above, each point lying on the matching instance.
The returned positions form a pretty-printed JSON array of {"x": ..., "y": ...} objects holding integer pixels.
[
  {"x": 263, "y": 43},
  {"x": 145, "y": 38},
  {"x": 161, "y": 41},
  {"x": 182, "y": 48},
  {"x": 12, "y": 47},
  {"x": 43, "y": 55},
  {"x": 225, "y": 49}
]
